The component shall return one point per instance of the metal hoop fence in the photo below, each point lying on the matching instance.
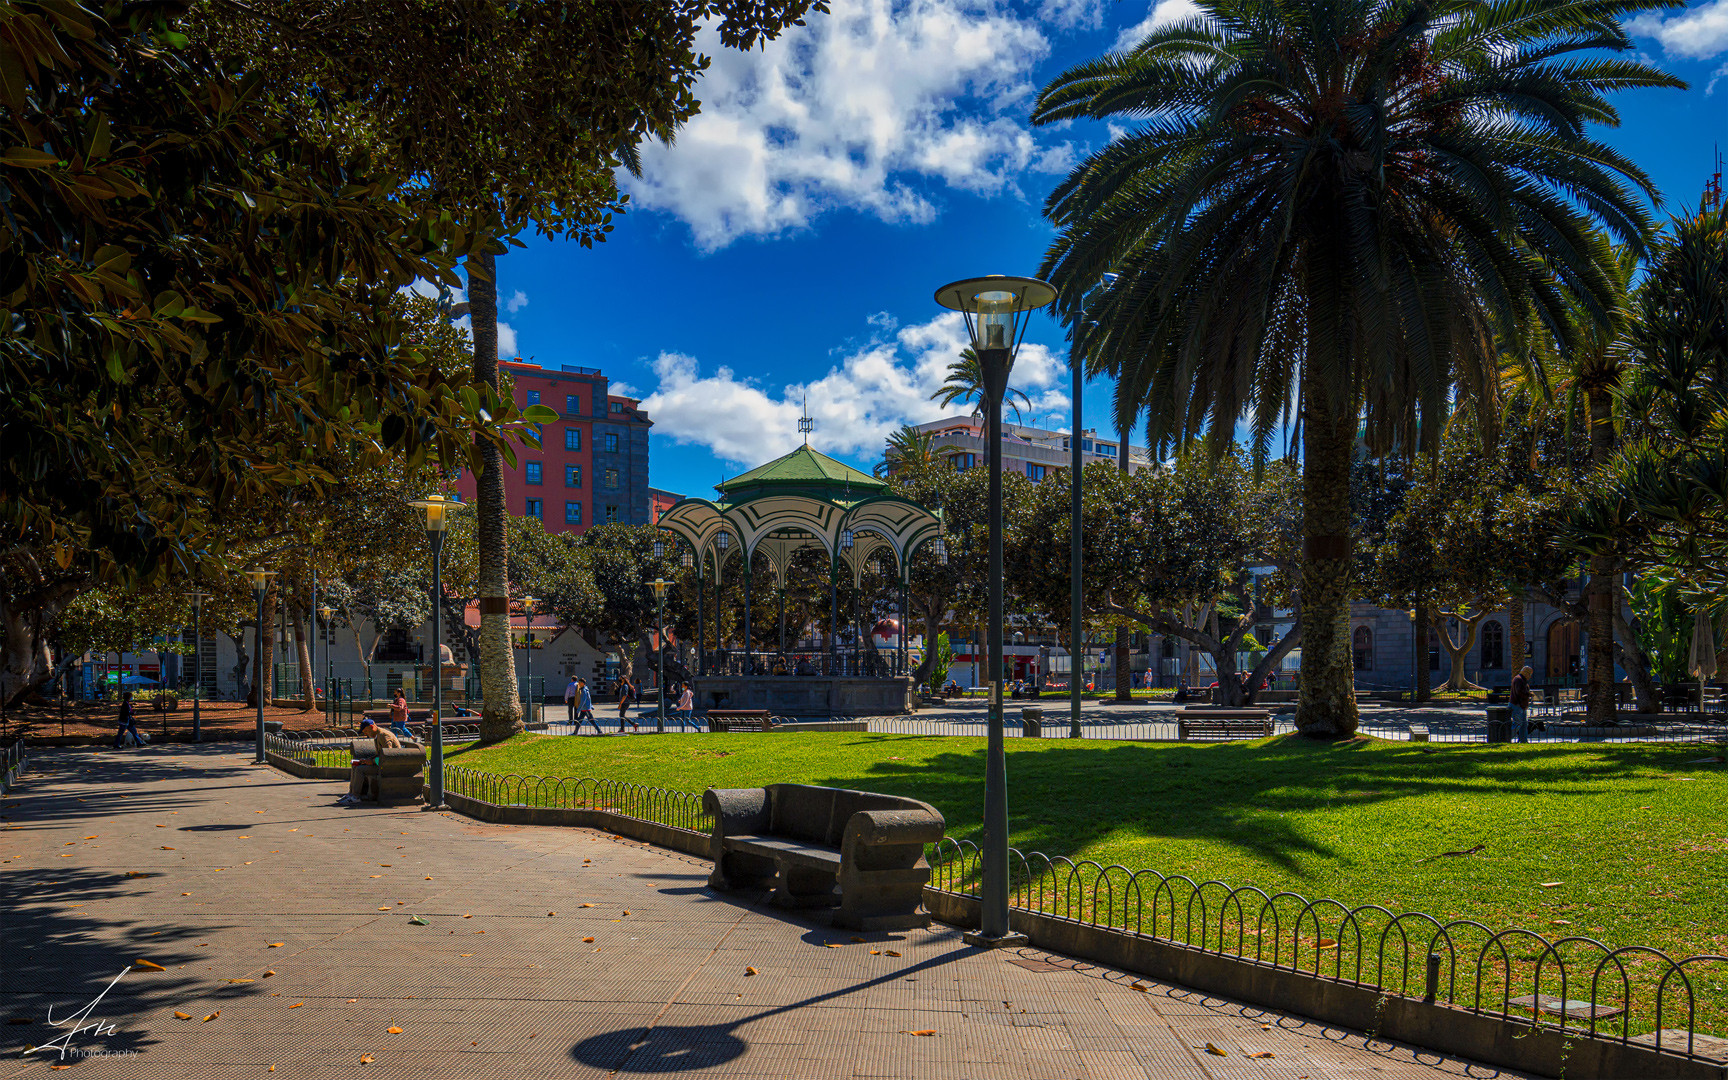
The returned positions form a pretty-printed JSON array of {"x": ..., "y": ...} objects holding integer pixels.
[
  {"x": 1633, "y": 993},
  {"x": 663, "y": 806}
]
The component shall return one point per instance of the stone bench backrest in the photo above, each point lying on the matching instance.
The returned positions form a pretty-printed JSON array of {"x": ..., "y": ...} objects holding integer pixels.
[{"x": 818, "y": 815}]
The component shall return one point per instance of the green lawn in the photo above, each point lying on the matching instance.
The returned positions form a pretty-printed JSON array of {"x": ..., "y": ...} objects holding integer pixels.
[{"x": 1636, "y": 833}]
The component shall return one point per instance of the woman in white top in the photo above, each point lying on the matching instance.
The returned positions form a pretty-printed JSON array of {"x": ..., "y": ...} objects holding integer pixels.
[{"x": 686, "y": 702}]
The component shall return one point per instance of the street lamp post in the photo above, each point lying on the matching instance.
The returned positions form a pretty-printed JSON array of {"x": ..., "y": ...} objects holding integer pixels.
[
  {"x": 197, "y": 599},
  {"x": 528, "y": 603},
  {"x": 995, "y": 310},
  {"x": 260, "y": 584},
  {"x": 660, "y": 585},
  {"x": 437, "y": 510},
  {"x": 325, "y": 612}
]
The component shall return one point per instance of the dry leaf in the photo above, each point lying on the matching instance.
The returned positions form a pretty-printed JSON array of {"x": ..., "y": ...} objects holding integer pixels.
[
  {"x": 236, "y": 980},
  {"x": 165, "y": 847},
  {"x": 211, "y": 1017},
  {"x": 365, "y": 1059},
  {"x": 926, "y": 1032},
  {"x": 891, "y": 952},
  {"x": 1263, "y": 1054},
  {"x": 875, "y": 952},
  {"x": 587, "y": 941},
  {"x": 1142, "y": 987},
  {"x": 297, "y": 1004},
  {"x": 1212, "y": 1048},
  {"x": 352, "y": 1000},
  {"x": 375, "y": 875},
  {"x": 833, "y": 945},
  {"x": 858, "y": 939},
  {"x": 749, "y": 971},
  {"x": 578, "y": 905},
  {"x": 182, "y": 1016},
  {"x": 1325, "y": 943},
  {"x": 395, "y": 1031},
  {"x": 145, "y": 965},
  {"x": 185, "y": 894},
  {"x": 626, "y": 913},
  {"x": 267, "y": 974},
  {"x": 549, "y": 914},
  {"x": 470, "y": 916},
  {"x": 465, "y": 954},
  {"x": 1552, "y": 884},
  {"x": 272, "y": 1068},
  {"x": 386, "y": 907},
  {"x": 276, "y": 944}
]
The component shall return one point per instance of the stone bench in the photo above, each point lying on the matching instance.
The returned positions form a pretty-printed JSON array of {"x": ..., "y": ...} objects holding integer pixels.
[
  {"x": 739, "y": 719},
  {"x": 1219, "y": 728},
  {"x": 808, "y": 842},
  {"x": 399, "y": 775}
]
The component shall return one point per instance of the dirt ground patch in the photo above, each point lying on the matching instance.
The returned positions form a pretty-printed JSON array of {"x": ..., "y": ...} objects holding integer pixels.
[{"x": 86, "y": 723}]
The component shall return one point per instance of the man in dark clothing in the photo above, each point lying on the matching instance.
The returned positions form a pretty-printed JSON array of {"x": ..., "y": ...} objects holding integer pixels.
[
  {"x": 128, "y": 723},
  {"x": 1520, "y": 710}
]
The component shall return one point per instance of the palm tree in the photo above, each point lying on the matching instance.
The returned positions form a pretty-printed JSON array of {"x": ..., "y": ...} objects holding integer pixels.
[
  {"x": 965, "y": 382},
  {"x": 908, "y": 448},
  {"x": 1329, "y": 215}
]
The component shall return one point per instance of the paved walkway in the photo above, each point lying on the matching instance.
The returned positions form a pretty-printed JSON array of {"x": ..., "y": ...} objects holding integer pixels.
[{"x": 283, "y": 925}]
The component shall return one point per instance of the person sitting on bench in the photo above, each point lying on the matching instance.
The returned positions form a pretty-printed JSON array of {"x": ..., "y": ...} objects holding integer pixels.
[{"x": 363, "y": 771}]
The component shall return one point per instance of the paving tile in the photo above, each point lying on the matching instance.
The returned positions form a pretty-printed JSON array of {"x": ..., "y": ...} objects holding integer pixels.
[{"x": 666, "y": 993}]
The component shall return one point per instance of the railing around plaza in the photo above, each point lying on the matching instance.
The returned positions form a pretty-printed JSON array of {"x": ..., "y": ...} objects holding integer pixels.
[
  {"x": 662, "y": 806},
  {"x": 332, "y": 747},
  {"x": 1579, "y": 984},
  {"x": 13, "y": 757},
  {"x": 847, "y": 663}
]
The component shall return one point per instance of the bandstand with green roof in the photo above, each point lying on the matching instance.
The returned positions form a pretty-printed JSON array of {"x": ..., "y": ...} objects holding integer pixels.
[{"x": 804, "y": 500}]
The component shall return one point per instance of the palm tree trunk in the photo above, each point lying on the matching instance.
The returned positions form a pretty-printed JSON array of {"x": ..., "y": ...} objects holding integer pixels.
[
  {"x": 1326, "y": 702},
  {"x": 1601, "y": 587},
  {"x": 1515, "y": 633},
  {"x": 500, "y": 711},
  {"x": 1123, "y": 680}
]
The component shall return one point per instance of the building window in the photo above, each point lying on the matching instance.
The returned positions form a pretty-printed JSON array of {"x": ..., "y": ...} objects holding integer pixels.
[
  {"x": 611, "y": 513},
  {"x": 572, "y": 407},
  {"x": 572, "y": 513},
  {"x": 1035, "y": 473},
  {"x": 532, "y": 472},
  {"x": 611, "y": 442},
  {"x": 612, "y": 479},
  {"x": 962, "y": 462},
  {"x": 573, "y": 476},
  {"x": 1362, "y": 647},
  {"x": 572, "y": 438},
  {"x": 1493, "y": 645},
  {"x": 533, "y": 397},
  {"x": 533, "y": 508},
  {"x": 618, "y": 406}
]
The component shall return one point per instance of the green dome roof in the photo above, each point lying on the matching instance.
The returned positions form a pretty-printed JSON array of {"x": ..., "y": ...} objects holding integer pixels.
[{"x": 805, "y": 469}]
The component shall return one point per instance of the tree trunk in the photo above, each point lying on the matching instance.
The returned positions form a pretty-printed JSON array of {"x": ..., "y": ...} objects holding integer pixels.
[
  {"x": 1457, "y": 679},
  {"x": 1637, "y": 665},
  {"x": 25, "y": 621},
  {"x": 241, "y": 659},
  {"x": 1274, "y": 655},
  {"x": 1602, "y": 588},
  {"x": 261, "y": 670},
  {"x": 501, "y": 710},
  {"x": 1515, "y": 633},
  {"x": 1326, "y": 701},
  {"x": 1424, "y": 683},
  {"x": 302, "y": 648}
]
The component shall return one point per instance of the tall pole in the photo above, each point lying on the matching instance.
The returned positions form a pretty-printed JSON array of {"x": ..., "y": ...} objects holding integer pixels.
[
  {"x": 993, "y": 927},
  {"x": 197, "y": 671},
  {"x": 660, "y": 633},
  {"x": 263, "y": 683},
  {"x": 528, "y": 665},
  {"x": 701, "y": 630},
  {"x": 312, "y": 621},
  {"x": 905, "y": 624},
  {"x": 747, "y": 667},
  {"x": 436, "y": 800},
  {"x": 1076, "y": 614},
  {"x": 833, "y": 617}
]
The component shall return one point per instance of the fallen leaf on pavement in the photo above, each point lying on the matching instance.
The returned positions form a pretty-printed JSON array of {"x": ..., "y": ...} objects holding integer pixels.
[
  {"x": 465, "y": 954},
  {"x": 417, "y": 921},
  {"x": 587, "y": 941},
  {"x": 749, "y": 971},
  {"x": 875, "y": 952},
  {"x": 352, "y": 1000},
  {"x": 1263, "y": 1054},
  {"x": 858, "y": 939},
  {"x": 145, "y": 965},
  {"x": 1142, "y": 987},
  {"x": 1212, "y": 1048},
  {"x": 1325, "y": 943},
  {"x": 297, "y": 1004},
  {"x": 549, "y": 914},
  {"x": 579, "y": 905},
  {"x": 365, "y": 1059},
  {"x": 267, "y": 974},
  {"x": 926, "y": 1032},
  {"x": 276, "y": 944},
  {"x": 211, "y": 1017},
  {"x": 236, "y": 980},
  {"x": 395, "y": 1031},
  {"x": 833, "y": 945},
  {"x": 182, "y": 1016},
  {"x": 165, "y": 847},
  {"x": 891, "y": 952},
  {"x": 470, "y": 916}
]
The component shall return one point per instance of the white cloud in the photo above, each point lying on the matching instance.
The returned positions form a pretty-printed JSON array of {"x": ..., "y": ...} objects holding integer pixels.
[
  {"x": 622, "y": 389},
  {"x": 1715, "y": 77},
  {"x": 865, "y": 107},
  {"x": 1161, "y": 14},
  {"x": 518, "y": 300},
  {"x": 1073, "y": 14},
  {"x": 857, "y": 403},
  {"x": 1698, "y": 32}
]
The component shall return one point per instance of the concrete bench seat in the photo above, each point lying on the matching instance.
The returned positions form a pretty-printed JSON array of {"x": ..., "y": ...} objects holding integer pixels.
[
  {"x": 739, "y": 719},
  {"x": 859, "y": 852},
  {"x": 1218, "y": 729},
  {"x": 398, "y": 775}
]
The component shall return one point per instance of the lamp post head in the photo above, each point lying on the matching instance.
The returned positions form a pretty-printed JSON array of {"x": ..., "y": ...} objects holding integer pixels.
[
  {"x": 325, "y": 611},
  {"x": 436, "y": 511},
  {"x": 995, "y": 308},
  {"x": 846, "y": 539},
  {"x": 260, "y": 578},
  {"x": 659, "y": 548},
  {"x": 939, "y": 548},
  {"x": 723, "y": 541},
  {"x": 659, "y": 585},
  {"x": 197, "y": 596}
]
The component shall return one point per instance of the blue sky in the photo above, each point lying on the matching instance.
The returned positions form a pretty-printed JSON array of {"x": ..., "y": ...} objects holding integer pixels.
[{"x": 790, "y": 242}]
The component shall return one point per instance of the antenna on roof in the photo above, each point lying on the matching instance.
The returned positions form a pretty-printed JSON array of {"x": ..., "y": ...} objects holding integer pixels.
[
  {"x": 804, "y": 421},
  {"x": 1712, "y": 198}
]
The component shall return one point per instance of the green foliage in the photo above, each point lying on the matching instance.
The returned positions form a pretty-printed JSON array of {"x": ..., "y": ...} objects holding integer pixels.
[
  {"x": 942, "y": 660},
  {"x": 964, "y": 381},
  {"x": 1664, "y": 625}
]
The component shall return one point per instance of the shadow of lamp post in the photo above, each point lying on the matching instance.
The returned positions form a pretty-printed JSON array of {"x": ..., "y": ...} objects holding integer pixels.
[{"x": 995, "y": 309}]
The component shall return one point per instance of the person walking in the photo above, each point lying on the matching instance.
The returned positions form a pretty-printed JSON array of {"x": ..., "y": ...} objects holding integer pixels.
[
  {"x": 399, "y": 714},
  {"x": 128, "y": 723},
  {"x": 585, "y": 708},
  {"x": 1519, "y": 713},
  {"x": 572, "y": 693},
  {"x": 625, "y": 692},
  {"x": 686, "y": 705}
]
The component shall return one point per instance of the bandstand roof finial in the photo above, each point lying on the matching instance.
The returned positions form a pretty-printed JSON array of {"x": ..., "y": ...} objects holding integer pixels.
[{"x": 804, "y": 421}]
